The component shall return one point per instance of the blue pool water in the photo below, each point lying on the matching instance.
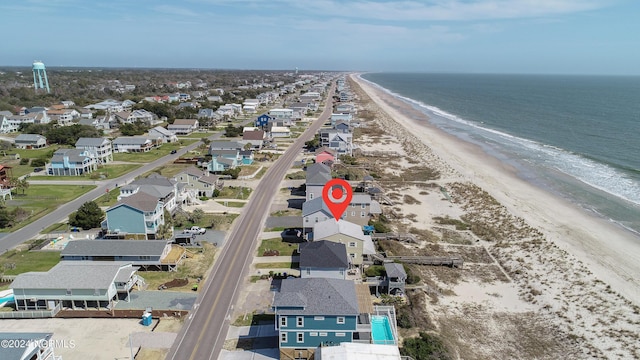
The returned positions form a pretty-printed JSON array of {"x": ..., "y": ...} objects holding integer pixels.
[
  {"x": 8, "y": 298},
  {"x": 381, "y": 330}
]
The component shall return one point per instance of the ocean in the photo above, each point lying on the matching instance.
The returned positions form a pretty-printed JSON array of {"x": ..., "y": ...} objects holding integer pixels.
[{"x": 577, "y": 137}]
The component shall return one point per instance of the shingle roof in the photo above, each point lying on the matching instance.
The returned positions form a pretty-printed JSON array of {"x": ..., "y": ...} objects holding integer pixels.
[
  {"x": 162, "y": 131},
  {"x": 21, "y": 352},
  {"x": 253, "y": 135},
  {"x": 315, "y": 205},
  {"x": 219, "y": 145},
  {"x": 395, "y": 270},
  {"x": 323, "y": 254},
  {"x": 127, "y": 140},
  {"x": 29, "y": 137},
  {"x": 330, "y": 227},
  {"x": 83, "y": 141},
  {"x": 114, "y": 248},
  {"x": 190, "y": 122},
  {"x": 140, "y": 201},
  {"x": 317, "y": 296},
  {"x": 71, "y": 275}
]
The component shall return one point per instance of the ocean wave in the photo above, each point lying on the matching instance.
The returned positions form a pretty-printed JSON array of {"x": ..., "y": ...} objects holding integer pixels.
[{"x": 591, "y": 172}]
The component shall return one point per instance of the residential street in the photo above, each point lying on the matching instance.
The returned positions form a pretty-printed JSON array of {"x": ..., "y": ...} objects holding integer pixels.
[
  {"x": 204, "y": 332},
  {"x": 61, "y": 214}
]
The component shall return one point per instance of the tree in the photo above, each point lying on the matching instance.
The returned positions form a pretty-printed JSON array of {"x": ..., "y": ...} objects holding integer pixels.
[
  {"x": 196, "y": 215},
  {"x": 88, "y": 216},
  {"x": 313, "y": 143}
]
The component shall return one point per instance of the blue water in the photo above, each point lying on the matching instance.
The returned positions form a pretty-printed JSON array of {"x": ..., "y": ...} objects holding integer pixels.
[
  {"x": 576, "y": 136},
  {"x": 381, "y": 330},
  {"x": 8, "y": 298}
]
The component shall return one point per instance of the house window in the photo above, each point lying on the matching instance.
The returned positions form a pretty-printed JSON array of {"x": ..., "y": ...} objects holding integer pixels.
[
  {"x": 300, "y": 338},
  {"x": 68, "y": 291},
  {"x": 352, "y": 256},
  {"x": 316, "y": 219},
  {"x": 353, "y": 213},
  {"x": 313, "y": 334},
  {"x": 299, "y": 321},
  {"x": 340, "y": 319},
  {"x": 283, "y": 321},
  {"x": 361, "y": 213},
  {"x": 319, "y": 318},
  {"x": 311, "y": 196},
  {"x": 283, "y": 337},
  {"x": 352, "y": 244},
  {"x": 364, "y": 206},
  {"x": 341, "y": 334},
  {"x": 308, "y": 271},
  {"x": 323, "y": 334},
  {"x": 306, "y": 220}
]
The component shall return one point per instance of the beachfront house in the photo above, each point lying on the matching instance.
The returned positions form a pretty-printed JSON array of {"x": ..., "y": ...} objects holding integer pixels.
[
  {"x": 138, "y": 216},
  {"x": 67, "y": 286},
  {"x": 317, "y": 176},
  {"x": 323, "y": 259},
  {"x": 358, "y": 245},
  {"x": 311, "y": 312},
  {"x": 341, "y": 142},
  {"x": 147, "y": 255}
]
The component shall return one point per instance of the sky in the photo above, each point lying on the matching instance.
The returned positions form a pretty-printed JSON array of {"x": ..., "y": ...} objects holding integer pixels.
[{"x": 457, "y": 36}]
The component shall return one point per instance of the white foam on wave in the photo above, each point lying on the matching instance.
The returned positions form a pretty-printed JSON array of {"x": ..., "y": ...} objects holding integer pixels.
[{"x": 590, "y": 172}]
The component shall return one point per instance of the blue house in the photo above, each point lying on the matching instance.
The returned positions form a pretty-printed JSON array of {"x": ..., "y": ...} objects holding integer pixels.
[
  {"x": 311, "y": 312},
  {"x": 263, "y": 120},
  {"x": 72, "y": 162},
  {"x": 135, "y": 217}
]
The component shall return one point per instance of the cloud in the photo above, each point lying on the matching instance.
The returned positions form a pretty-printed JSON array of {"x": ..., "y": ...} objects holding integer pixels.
[
  {"x": 434, "y": 10},
  {"x": 175, "y": 10}
]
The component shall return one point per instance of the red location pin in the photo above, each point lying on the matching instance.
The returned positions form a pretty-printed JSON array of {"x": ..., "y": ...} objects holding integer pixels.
[{"x": 337, "y": 194}]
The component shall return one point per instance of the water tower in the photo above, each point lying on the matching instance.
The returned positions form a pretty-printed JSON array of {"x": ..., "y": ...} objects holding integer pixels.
[{"x": 40, "y": 72}]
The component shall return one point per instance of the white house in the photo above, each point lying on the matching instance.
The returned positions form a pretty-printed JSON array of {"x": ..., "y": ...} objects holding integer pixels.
[
  {"x": 163, "y": 134},
  {"x": 100, "y": 147},
  {"x": 132, "y": 144},
  {"x": 183, "y": 126}
]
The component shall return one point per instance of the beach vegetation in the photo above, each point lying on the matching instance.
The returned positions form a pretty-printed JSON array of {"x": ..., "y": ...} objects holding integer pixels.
[
  {"x": 459, "y": 224},
  {"x": 375, "y": 270},
  {"x": 425, "y": 347}
]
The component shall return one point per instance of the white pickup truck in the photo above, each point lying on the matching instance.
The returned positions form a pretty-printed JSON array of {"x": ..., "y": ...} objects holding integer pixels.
[{"x": 194, "y": 230}]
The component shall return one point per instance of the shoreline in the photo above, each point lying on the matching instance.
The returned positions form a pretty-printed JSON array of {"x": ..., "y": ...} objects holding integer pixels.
[
  {"x": 611, "y": 249},
  {"x": 553, "y": 280}
]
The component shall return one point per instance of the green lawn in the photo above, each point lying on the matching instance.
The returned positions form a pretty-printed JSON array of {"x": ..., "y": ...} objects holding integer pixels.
[
  {"x": 236, "y": 204},
  {"x": 197, "y": 135},
  {"x": 285, "y": 249},
  {"x": 39, "y": 200},
  {"x": 103, "y": 172},
  {"x": 234, "y": 192},
  {"x": 154, "y": 154},
  {"x": 16, "y": 262},
  {"x": 108, "y": 199},
  {"x": 55, "y": 227},
  {"x": 282, "y": 265}
]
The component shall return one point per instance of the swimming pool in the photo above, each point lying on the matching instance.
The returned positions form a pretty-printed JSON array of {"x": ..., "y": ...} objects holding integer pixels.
[{"x": 381, "y": 330}]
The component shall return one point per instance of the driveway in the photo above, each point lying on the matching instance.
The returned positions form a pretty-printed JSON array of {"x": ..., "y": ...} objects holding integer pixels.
[
  {"x": 158, "y": 300},
  {"x": 284, "y": 221}
]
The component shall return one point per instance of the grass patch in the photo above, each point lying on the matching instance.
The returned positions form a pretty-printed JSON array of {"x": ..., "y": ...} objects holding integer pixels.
[
  {"x": 277, "y": 228},
  {"x": 459, "y": 224},
  {"x": 220, "y": 222},
  {"x": 103, "y": 172},
  {"x": 247, "y": 170},
  {"x": 254, "y": 319},
  {"x": 284, "y": 248},
  {"x": 155, "y": 154},
  {"x": 298, "y": 175},
  {"x": 55, "y": 228},
  {"x": 196, "y": 135},
  {"x": 235, "y": 192},
  {"x": 236, "y": 204},
  {"x": 15, "y": 262},
  {"x": 287, "y": 212},
  {"x": 261, "y": 173},
  {"x": 281, "y": 265},
  {"x": 108, "y": 199},
  {"x": 191, "y": 268},
  {"x": 39, "y": 200}
]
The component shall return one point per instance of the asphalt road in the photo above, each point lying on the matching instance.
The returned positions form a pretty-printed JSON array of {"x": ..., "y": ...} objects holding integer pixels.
[
  {"x": 61, "y": 214},
  {"x": 205, "y": 330}
]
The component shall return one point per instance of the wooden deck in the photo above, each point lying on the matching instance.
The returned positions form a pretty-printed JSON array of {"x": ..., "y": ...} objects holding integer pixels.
[
  {"x": 175, "y": 255},
  {"x": 365, "y": 304}
]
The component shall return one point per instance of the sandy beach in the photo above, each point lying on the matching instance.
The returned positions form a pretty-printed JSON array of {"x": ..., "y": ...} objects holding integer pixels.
[{"x": 542, "y": 278}]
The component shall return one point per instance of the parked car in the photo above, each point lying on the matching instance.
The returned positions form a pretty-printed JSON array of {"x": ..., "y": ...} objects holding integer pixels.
[
  {"x": 38, "y": 169},
  {"x": 194, "y": 230},
  {"x": 174, "y": 151}
]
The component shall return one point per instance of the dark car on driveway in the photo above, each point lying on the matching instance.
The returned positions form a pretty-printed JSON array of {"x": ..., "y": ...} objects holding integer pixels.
[{"x": 174, "y": 151}]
